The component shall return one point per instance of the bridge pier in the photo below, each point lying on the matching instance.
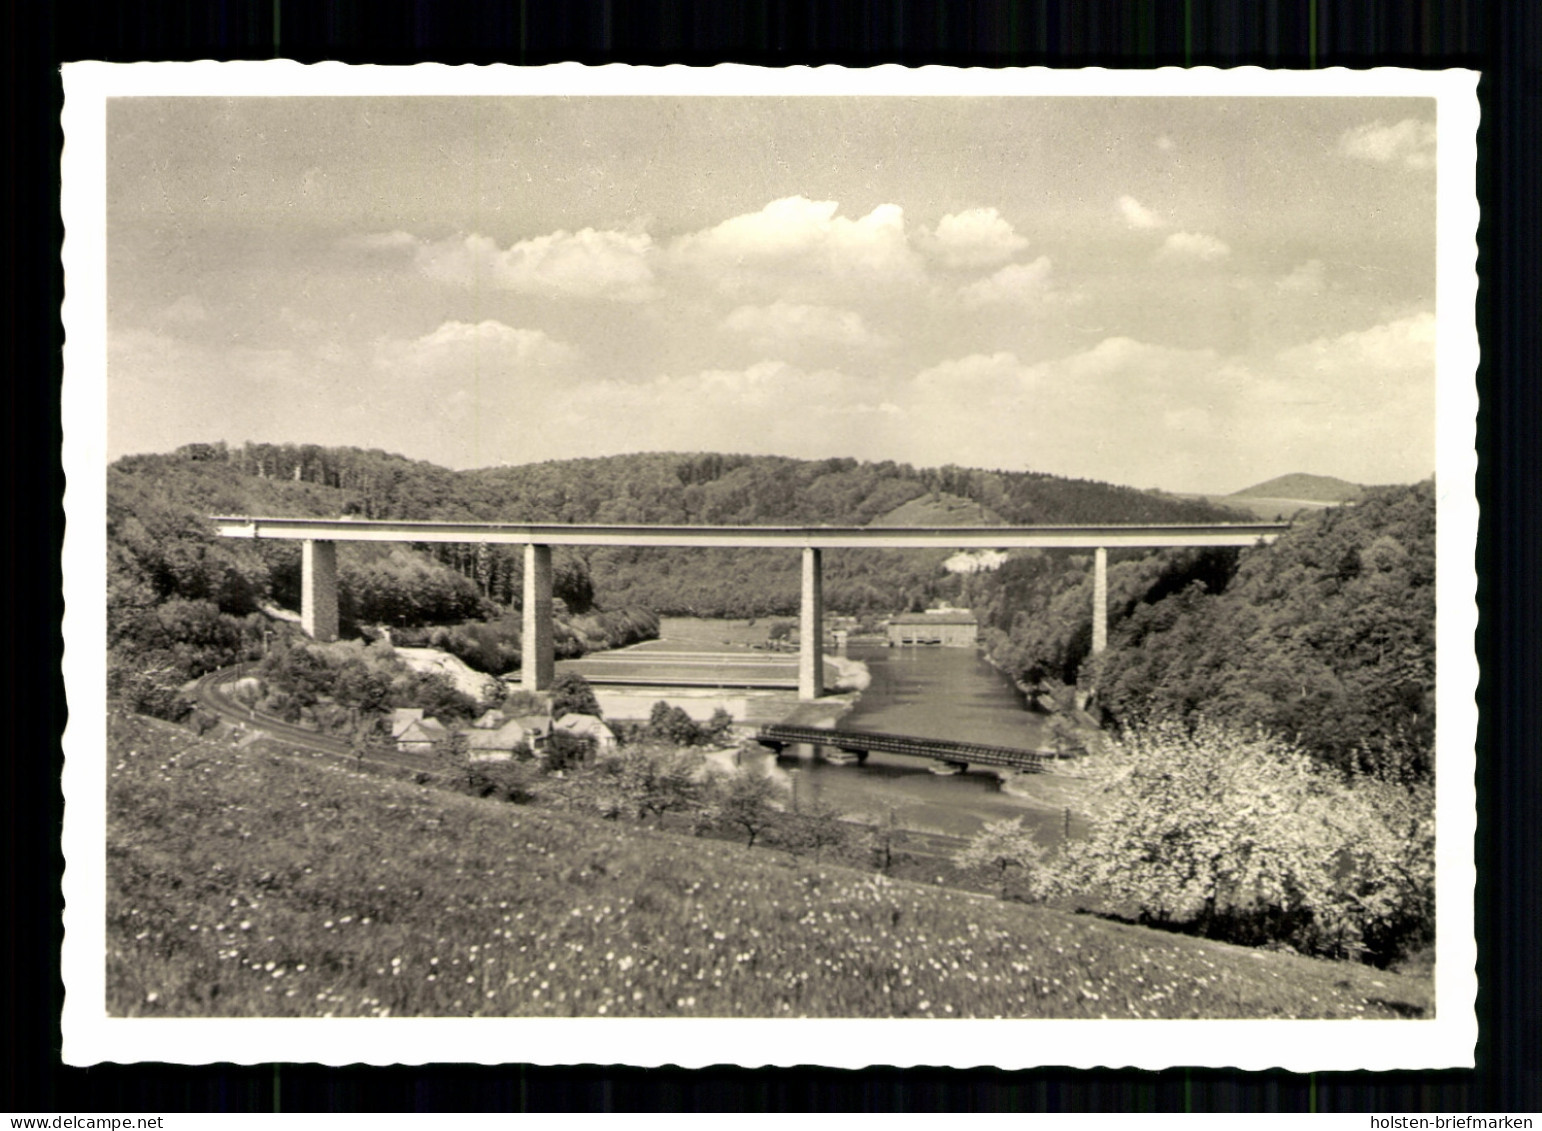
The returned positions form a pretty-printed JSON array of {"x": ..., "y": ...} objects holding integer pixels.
[
  {"x": 811, "y": 628},
  {"x": 537, "y": 659},
  {"x": 318, "y": 589},
  {"x": 1099, "y": 601}
]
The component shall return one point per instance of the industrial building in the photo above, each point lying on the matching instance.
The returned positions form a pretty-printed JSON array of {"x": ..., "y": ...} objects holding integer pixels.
[{"x": 951, "y": 628}]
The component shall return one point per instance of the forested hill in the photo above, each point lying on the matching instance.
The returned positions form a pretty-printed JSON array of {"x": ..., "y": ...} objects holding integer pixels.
[
  {"x": 657, "y": 487},
  {"x": 180, "y": 489},
  {"x": 1326, "y": 637},
  {"x": 1308, "y": 488}
]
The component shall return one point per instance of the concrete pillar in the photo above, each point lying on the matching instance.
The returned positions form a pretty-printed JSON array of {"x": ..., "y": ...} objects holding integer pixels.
[
  {"x": 318, "y": 589},
  {"x": 1099, "y": 601},
  {"x": 811, "y": 629},
  {"x": 537, "y": 662}
]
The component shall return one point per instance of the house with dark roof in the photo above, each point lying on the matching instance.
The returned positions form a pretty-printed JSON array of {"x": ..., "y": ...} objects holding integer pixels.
[
  {"x": 537, "y": 728},
  {"x": 590, "y": 727},
  {"x": 415, "y": 734},
  {"x": 499, "y": 744}
]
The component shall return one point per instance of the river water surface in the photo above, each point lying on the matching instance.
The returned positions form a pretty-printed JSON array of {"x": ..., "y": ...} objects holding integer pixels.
[{"x": 929, "y": 692}]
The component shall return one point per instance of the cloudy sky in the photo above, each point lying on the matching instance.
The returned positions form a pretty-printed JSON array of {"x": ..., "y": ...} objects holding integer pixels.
[{"x": 1188, "y": 293}]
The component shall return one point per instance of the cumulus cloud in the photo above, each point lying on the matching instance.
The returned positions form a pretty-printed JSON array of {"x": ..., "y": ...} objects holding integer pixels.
[
  {"x": 1360, "y": 405},
  {"x": 462, "y": 368},
  {"x": 587, "y": 264},
  {"x": 1404, "y": 347},
  {"x": 1139, "y": 412},
  {"x": 978, "y": 374},
  {"x": 1014, "y": 283},
  {"x": 1410, "y": 143},
  {"x": 796, "y": 240},
  {"x": 487, "y": 343},
  {"x": 1097, "y": 413},
  {"x": 1309, "y": 279},
  {"x": 714, "y": 392},
  {"x": 458, "y": 390},
  {"x": 1130, "y": 366},
  {"x": 1193, "y": 245},
  {"x": 1137, "y": 215},
  {"x": 976, "y": 237},
  {"x": 785, "y": 322}
]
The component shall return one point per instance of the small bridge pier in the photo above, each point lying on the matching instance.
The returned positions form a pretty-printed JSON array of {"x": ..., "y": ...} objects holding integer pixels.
[
  {"x": 318, "y": 613},
  {"x": 779, "y": 747}
]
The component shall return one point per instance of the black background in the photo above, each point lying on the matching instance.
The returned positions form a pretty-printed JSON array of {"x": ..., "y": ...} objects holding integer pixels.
[{"x": 1503, "y": 39}]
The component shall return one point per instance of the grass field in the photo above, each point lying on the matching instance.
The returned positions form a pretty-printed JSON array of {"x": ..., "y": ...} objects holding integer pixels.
[{"x": 251, "y": 882}]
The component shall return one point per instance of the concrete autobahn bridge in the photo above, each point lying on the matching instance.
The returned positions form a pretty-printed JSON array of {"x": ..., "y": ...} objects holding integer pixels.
[{"x": 320, "y": 536}]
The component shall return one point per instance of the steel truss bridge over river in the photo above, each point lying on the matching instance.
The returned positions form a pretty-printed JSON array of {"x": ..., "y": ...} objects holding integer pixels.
[
  {"x": 318, "y": 610},
  {"x": 956, "y": 755}
]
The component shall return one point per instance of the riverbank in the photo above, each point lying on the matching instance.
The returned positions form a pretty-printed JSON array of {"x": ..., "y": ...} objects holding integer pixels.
[
  {"x": 1084, "y": 725},
  {"x": 823, "y": 712},
  {"x": 1049, "y": 791}
]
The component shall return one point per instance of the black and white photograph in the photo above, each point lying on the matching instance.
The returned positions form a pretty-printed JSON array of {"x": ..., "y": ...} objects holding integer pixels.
[{"x": 604, "y": 565}]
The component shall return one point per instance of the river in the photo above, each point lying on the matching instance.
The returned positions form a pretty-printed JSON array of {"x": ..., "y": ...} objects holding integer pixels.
[{"x": 930, "y": 692}]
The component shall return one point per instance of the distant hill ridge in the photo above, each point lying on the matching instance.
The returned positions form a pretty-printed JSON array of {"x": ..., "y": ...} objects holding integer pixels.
[{"x": 1302, "y": 487}]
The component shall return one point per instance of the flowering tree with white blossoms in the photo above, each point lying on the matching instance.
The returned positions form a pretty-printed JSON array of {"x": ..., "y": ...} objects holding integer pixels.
[
  {"x": 1243, "y": 835},
  {"x": 1001, "y": 846}
]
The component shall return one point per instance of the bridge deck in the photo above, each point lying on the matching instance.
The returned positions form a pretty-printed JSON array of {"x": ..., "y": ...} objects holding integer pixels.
[
  {"x": 826, "y": 537},
  {"x": 936, "y": 749}
]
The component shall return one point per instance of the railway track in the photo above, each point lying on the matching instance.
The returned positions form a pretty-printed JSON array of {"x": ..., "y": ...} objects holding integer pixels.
[{"x": 208, "y": 693}]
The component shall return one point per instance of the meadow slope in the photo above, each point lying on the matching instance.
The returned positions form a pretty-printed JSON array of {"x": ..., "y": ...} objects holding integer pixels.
[{"x": 249, "y": 881}]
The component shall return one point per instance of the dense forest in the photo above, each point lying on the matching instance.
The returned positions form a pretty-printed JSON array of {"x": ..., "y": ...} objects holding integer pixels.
[{"x": 1326, "y": 638}]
